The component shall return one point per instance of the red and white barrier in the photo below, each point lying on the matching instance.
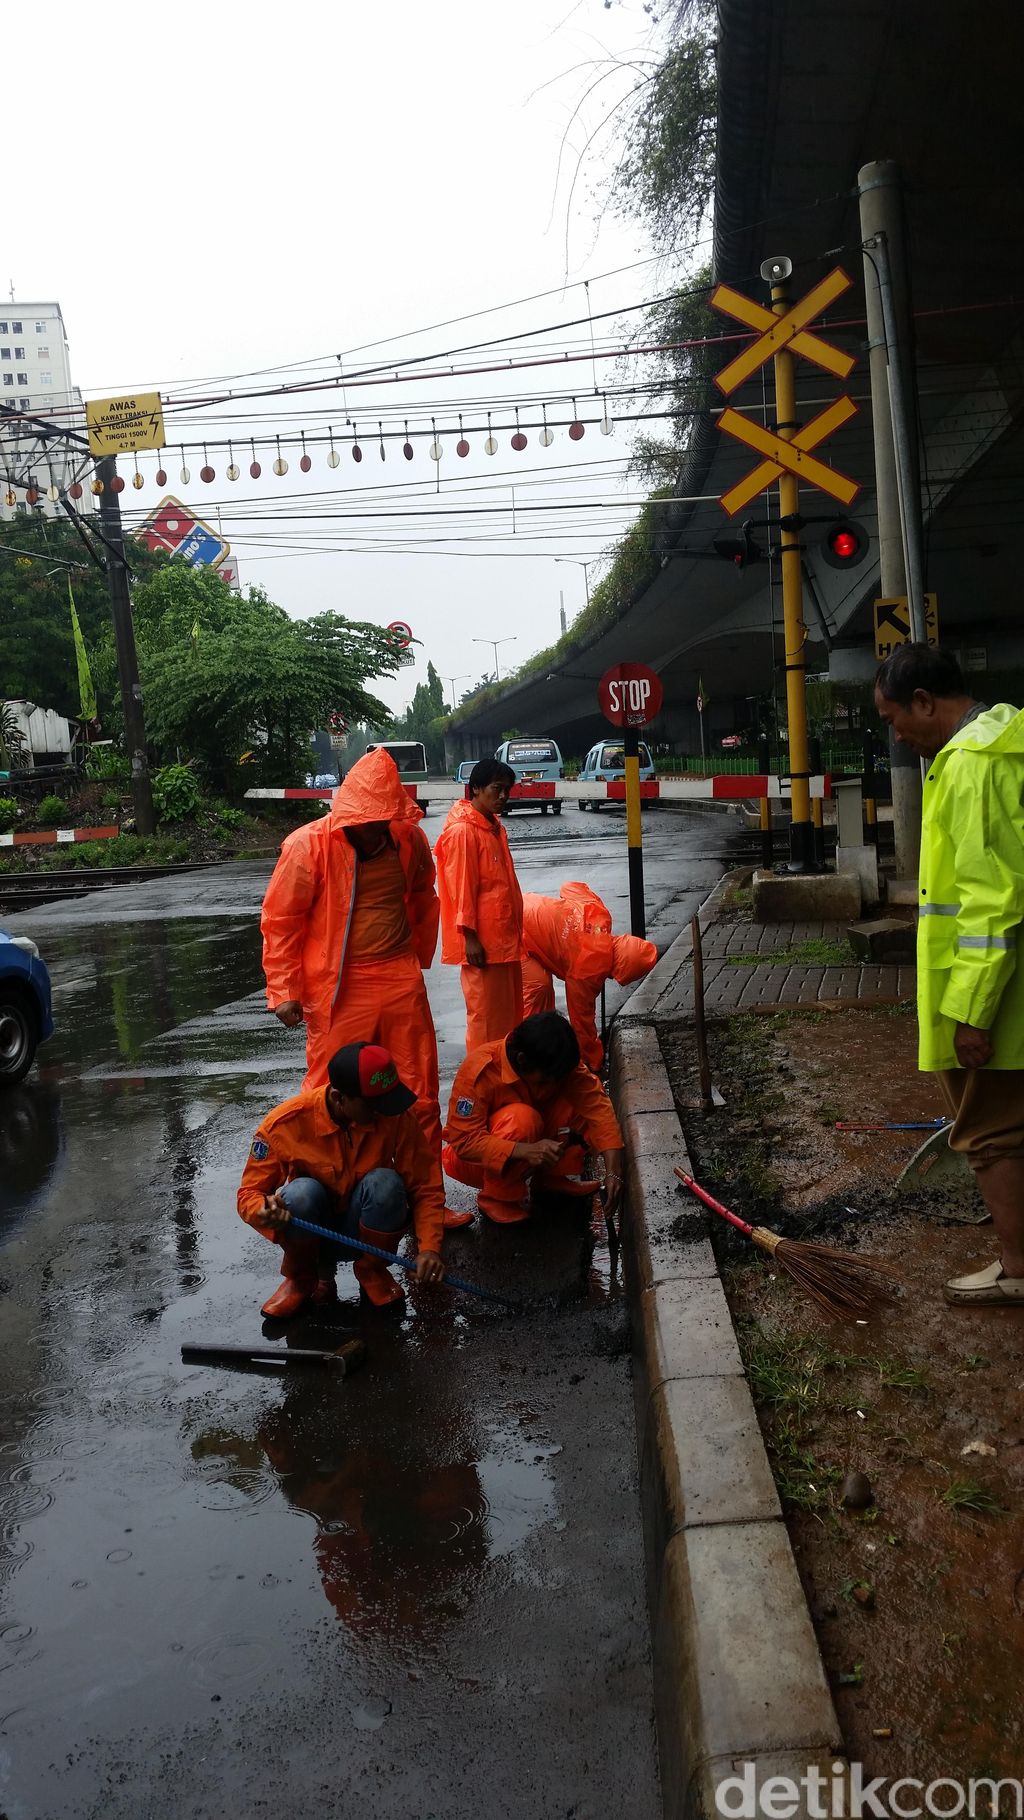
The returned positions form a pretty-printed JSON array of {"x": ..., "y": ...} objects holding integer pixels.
[
  {"x": 63, "y": 837},
  {"x": 724, "y": 789}
]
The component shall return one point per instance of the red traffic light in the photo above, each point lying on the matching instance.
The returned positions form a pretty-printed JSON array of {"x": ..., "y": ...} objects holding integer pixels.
[{"x": 845, "y": 544}]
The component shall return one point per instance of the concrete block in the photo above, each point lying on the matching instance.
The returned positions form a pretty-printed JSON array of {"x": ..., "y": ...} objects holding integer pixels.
[
  {"x": 902, "y": 891},
  {"x": 703, "y": 1461},
  {"x": 737, "y": 1673},
  {"x": 684, "y": 1330},
  {"x": 639, "y": 1076},
  {"x": 806, "y": 897},
  {"x": 861, "y": 863},
  {"x": 882, "y": 940}
]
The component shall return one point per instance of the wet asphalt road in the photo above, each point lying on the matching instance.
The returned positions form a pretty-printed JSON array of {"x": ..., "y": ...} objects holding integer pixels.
[{"x": 417, "y": 1592}]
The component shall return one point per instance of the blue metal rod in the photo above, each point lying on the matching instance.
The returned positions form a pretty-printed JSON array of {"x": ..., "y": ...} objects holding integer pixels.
[
  {"x": 390, "y": 1257},
  {"x": 887, "y": 1125}
]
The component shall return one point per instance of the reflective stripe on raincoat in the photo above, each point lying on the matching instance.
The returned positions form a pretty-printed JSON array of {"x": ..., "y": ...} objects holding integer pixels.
[
  {"x": 309, "y": 901},
  {"x": 971, "y": 897},
  {"x": 478, "y": 887}
]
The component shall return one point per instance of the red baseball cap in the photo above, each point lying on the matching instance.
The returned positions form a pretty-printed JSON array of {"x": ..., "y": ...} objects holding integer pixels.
[{"x": 366, "y": 1071}]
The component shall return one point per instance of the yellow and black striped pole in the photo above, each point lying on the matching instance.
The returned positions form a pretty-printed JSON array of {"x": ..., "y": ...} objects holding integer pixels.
[{"x": 634, "y": 833}]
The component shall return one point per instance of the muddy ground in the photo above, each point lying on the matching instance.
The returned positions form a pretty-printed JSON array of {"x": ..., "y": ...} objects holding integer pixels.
[{"x": 918, "y": 1600}]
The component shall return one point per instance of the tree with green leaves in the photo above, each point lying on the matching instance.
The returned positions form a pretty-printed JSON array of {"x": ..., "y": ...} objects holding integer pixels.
[
  {"x": 225, "y": 675},
  {"x": 38, "y": 556},
  {"x": 424, "y": 719}
]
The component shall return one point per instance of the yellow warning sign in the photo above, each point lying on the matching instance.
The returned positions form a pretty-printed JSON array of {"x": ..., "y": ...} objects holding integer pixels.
[
  {"x": 892, "y": 623},
  {"x": 118, "y": 425}
]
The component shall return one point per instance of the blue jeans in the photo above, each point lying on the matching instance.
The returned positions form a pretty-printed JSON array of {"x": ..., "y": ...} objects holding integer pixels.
[{"x": 378, "y": 1202}]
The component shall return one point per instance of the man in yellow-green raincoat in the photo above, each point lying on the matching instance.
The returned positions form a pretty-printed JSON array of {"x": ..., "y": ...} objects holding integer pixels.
[{"x": 970, "y": 944}]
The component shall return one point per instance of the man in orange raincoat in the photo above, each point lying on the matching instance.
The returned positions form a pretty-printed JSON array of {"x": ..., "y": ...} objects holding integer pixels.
[
  {"x": 482, "y": 905},
  {"x": 349, "y": 923},
  {"x": 570, "y": 938},
  {"x": 350, "y": 1157},
  {"x": 524, "y": 1107}
]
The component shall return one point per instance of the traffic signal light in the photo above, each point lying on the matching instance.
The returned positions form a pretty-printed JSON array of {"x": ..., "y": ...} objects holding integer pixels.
[
  {"x": 845, "y": 543},
  {"x": 740, "y": 550}
]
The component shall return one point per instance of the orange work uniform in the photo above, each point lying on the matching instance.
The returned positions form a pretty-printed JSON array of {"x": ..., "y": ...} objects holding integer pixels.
[
  {"x": 570, "y": 938},
  {"x": 492, "y": 1109},
  {"x": 478, "y": 889},
  {"x": 300, "y": 1138},
  {"x": 349, "y": 938}
]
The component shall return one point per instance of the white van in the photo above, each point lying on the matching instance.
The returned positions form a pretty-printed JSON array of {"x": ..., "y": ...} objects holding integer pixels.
[{"x": 605, "y": 763}]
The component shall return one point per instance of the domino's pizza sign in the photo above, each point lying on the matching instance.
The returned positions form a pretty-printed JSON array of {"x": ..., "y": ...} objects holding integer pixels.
[{"x": 174, "y": 528}]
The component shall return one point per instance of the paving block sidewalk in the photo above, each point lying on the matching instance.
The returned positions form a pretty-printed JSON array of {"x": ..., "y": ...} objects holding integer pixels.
[{"x": 728, "y": 987}]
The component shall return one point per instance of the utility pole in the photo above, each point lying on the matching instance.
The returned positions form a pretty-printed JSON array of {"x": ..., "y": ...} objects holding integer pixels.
[
  {"x": 124, "y": 639},
  {"x": 776, "y": 273},
  {"x": 897, "y": 470},
  {"x": 111, "y": 536}
]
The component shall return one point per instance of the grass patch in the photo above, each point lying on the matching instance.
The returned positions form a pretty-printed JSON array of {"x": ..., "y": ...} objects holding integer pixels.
[
  {"x": 967, "y": 1494},
  {"x": 816, "y": 952},
  {"x": 902, "y": 1377}
]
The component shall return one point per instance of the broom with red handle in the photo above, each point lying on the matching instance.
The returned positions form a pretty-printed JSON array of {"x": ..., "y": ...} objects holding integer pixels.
[{"x": 841, "y": 1282}]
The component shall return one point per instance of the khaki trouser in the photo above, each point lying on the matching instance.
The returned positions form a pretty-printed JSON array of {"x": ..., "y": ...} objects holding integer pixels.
[{"x": 987, "y": 1106}]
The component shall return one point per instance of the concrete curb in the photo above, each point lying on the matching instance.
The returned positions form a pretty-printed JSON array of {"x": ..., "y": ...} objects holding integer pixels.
[{"x": 738, "y": 1678}]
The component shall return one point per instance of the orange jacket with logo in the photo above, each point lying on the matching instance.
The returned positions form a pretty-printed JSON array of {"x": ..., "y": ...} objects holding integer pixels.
[
  {"x": 487, "y": 1081},
  {"x": 478, "y": 887},
  {"x": 300, "y": 1138},
  {"x": 309, "y": 902}
]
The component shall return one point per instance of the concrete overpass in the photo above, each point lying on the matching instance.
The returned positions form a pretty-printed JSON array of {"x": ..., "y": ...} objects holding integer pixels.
[{"x": 810, "y": 91}]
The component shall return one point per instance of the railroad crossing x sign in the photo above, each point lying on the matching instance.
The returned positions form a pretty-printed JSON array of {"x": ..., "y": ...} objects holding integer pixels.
[
  {"x": 892, "y": 623},
  {"x": 794, "y": 455}
]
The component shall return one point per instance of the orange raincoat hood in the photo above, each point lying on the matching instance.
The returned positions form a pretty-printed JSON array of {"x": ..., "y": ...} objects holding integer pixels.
[
  {"x": 372, "y": 792},
  {"x": 632, "y": 958}
]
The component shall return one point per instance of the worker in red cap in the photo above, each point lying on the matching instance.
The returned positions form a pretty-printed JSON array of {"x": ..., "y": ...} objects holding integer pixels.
[
  {"x": 351, "y": 1156},
  {"x": 525, "y": 1111},
  {"x": 349, "y": 923},
  {"x": 482, "y": 905},
  {"x": 569, "y": 937}
]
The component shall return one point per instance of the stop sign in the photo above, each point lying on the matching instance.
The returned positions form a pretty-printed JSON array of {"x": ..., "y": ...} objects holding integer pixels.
[{"x": 630, "y": 695}]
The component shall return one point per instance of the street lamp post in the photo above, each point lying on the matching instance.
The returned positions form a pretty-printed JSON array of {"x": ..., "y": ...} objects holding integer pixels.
[
  {"x": 494, "y": 643},
  {"x": 573, "y": 563},
  {"x": 452, "y": 680}
]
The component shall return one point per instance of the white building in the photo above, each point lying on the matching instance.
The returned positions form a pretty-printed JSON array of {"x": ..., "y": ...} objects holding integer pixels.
[{"x": 35, "y": 378}]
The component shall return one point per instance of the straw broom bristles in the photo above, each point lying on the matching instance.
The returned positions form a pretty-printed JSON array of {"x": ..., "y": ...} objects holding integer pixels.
[{"x": 841, "y": 1282}]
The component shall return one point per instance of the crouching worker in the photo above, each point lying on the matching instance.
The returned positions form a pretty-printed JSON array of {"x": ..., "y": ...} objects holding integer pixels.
[
  {"x": 569, "y": 937},
  {"x": 351, "y": 1156},
  {"x": 525, "y": 1110}
]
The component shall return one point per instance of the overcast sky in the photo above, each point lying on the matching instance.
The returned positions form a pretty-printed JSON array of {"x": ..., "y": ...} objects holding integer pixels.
[{"x": 240, "y": 188}]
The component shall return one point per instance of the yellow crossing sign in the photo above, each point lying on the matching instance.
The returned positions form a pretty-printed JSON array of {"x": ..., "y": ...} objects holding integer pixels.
[
  {"x": 892, "y": 623},
  {"x": 782, "y": 331},
  {"x": 792, "y": 457},
  {"x": 789, "y": 454}
]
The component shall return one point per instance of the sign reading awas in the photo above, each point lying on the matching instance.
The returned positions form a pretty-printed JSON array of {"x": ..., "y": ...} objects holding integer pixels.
[{"x": 119, "y": 425}]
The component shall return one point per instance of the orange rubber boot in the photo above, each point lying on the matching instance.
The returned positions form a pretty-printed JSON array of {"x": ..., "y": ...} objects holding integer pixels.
[
  {"x": 298, "y": 1279},
  {"x": 372, "y": 1275}
]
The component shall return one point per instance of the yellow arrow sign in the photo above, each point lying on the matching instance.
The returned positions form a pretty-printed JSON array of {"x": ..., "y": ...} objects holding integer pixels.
[
  {"x": 119, "y": 425},
  {"x": 792, "y": 457},
  {"x": 892, "y": 623}
]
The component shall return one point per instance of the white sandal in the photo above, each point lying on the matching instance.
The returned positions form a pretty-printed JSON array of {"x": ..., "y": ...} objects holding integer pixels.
[{"x": 990, "y": 1288}]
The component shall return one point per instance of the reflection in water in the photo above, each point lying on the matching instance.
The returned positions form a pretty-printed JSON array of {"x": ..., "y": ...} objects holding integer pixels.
[
  {"x": 403, "y": 1533},
  {"x": 31, "y": 1147}
]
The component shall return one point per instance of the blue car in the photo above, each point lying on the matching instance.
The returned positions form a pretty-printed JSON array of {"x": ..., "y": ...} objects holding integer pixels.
[{"x": 26, "y": 1019}]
